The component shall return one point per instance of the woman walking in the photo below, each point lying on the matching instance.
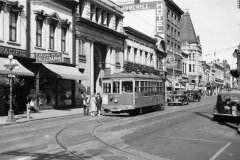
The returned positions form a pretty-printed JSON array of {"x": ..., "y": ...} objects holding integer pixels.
[{"x": 93, "y": 107}]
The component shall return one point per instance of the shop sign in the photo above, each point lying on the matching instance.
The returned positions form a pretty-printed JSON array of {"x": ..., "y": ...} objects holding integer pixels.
[
  {"x": 49, "y": 57},
  {"x": 13, "y": 51}
]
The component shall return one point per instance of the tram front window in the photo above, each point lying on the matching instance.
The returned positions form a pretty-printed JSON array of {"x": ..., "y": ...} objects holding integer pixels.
[
  {"x": 106, "y": 87},
  {"x": 127, "y": 86},
  {"x": 116, "y": 86}
]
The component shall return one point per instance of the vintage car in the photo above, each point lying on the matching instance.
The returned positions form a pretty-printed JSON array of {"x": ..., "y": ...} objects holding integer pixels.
[
  {"x": 179, "y": 98},
  {"x": 227, "y": 106},
  {"x": 193, "y": 95}
]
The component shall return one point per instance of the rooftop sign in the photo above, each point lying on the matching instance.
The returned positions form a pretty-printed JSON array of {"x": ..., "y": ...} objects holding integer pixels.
[{"x": 139, "y": 6}]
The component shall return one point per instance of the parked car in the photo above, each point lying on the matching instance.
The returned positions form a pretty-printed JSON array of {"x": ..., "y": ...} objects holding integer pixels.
[
  {"x": 227, "y": 107},
  {"x": 179, "y": 98},
  {"x": 193, "y": 95}
]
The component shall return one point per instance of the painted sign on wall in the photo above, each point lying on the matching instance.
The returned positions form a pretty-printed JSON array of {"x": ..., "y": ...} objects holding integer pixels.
[
  {"x": 13, "y": 51},
  {"x": 49, "y": 57}
]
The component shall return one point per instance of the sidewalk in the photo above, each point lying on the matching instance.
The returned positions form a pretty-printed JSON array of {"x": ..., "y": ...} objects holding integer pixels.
[{"x": 43, "y": 114}]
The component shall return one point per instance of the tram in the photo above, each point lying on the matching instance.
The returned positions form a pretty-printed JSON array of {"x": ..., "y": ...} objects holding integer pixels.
[{"x": 132, "y": 93}]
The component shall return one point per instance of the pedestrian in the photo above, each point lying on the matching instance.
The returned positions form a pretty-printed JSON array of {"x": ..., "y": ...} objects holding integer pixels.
[
  {"x": 92, "y": 107},
  {"x": 29, "y": 107},
  {"x": 99, "y": 103},
  {"x": 85, "y": 104}
]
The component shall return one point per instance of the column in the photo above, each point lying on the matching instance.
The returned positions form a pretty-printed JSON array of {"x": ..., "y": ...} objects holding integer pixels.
[
  {"x": 93, "y": 13},
  {"x": 91, "y": 68}
]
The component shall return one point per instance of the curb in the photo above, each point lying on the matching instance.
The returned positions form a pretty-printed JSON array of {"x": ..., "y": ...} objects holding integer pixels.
[{"x": 29, "y": 120}]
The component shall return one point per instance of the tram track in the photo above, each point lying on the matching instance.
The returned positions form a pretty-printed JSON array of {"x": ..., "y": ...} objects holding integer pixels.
[{"x": 100, "y": 140}]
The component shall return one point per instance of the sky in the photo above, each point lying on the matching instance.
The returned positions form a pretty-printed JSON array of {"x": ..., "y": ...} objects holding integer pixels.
[{"x": 217, "y": 22}]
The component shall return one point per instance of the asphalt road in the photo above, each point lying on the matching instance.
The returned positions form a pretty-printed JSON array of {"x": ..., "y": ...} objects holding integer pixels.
[{"x": 178, "y": 133}]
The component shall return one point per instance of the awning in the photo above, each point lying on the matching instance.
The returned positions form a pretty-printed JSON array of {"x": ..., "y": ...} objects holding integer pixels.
[
  {"x": 21, "y": 70},
  {"x": 65, "y": 72}
]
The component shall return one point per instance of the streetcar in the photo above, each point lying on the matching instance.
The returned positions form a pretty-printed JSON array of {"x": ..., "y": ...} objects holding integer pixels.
[{"x": 132, "y": 93}]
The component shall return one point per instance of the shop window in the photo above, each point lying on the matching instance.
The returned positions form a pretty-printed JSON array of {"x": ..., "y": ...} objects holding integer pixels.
[
  {"x": 63, "y": 39},
  {"x": 51, "y": 36},
  {"x": 39, "y": 33},
  {"x": 13, "y": 27}
]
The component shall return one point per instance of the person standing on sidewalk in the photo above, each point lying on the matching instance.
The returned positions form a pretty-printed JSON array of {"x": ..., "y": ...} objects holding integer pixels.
[
  {"x": 99, "y": 103},
  {"x": 92, "y": 107},
  {"x": 85, "y": 104}
]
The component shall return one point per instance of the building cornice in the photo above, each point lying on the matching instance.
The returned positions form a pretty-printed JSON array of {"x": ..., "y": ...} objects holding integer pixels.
[
  {"x": 107, "y": 30},
  {"x": 136, "y": 33}
]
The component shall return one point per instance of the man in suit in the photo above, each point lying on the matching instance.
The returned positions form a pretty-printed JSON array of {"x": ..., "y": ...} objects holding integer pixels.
[{"x": 99, "y": 103}]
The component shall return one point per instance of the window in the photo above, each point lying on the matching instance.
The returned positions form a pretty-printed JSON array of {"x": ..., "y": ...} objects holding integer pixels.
[
  {"x": 127, "y": 86},
  {"x": 151, "y": 60},
  {"x": 51, "y": 36},
  {"x": 92, "y": 12},
  {"x": 39, "y": 33},
  {"x": 193, "y": 68},
  {"x": 190, "y": 68},
  {"x": 13, "y": 27},
  {"x": 116, "y": 86},
  {"x": 109, "y": 17},
  {"x": 135, "y": 56},
  {"x": 193, "y": 56},
  {"x": 117, "y": 23},
  {"x": 128, "y": 53},
  {"x": 137, "y": 86},
  {"x": 106, "y": 87},
  {"x": 63, "y": 39}
]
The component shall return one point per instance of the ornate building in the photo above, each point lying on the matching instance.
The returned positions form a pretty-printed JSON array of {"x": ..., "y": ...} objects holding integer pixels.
[{"x": 99, "y": 41}]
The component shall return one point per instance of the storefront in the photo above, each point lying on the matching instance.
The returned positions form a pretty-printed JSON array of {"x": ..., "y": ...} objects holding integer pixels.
[{"x": 57, "y": 82}]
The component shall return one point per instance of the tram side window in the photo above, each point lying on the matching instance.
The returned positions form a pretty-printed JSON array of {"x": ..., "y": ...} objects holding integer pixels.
[
  {"x": 137, "y": 86},
  {"x": 142, "y": 86},
  {"x": 127, "y": 86},
  {"x": 106, "y": 87},
  {"x": 116, "y": 87}
]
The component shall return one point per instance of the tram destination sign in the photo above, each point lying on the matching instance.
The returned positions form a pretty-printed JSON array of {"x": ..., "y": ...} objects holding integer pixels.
[{"x": 49, "y": 57}]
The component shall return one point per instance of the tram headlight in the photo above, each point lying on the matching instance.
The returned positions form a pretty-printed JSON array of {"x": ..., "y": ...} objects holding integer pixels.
[{"x": 115, "y": 101}]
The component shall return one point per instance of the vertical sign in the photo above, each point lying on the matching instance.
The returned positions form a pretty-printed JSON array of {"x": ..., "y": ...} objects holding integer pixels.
[
  {"x": 238, "y": 61},
  {"x": 159, "y": 18}
]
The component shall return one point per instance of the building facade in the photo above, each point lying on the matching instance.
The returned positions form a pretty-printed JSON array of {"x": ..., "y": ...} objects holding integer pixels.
[
  {"x": 99, "y": 41},
  {"x": 41, "y": 36},
  {"x": 161, "y": 18},
  {"x": 191, "y": 45}
]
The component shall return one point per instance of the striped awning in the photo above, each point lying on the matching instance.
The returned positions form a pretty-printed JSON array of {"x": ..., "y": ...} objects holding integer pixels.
[{"x": 20, "y": 69}]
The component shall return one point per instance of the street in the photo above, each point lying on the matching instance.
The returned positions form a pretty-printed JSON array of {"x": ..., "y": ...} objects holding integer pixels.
[{"x": 177, "y": 133}]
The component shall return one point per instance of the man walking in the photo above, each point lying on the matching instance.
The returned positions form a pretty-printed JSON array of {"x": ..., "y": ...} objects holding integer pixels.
[{"x": 99, "y": 103}]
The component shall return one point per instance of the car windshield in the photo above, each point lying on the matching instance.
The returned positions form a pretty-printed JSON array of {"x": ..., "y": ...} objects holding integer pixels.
[{"x": 231, "y": 97}]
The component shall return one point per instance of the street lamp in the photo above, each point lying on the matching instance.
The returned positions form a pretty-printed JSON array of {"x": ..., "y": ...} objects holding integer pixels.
[{"x": 10, "y": 65}]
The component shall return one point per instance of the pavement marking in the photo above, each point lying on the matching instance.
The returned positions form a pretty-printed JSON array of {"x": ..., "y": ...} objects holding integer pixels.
[
  {"x": 22, "y": 158},
  {"x": 220, "y": 151},
  {"x": 193, "y": 139}
]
